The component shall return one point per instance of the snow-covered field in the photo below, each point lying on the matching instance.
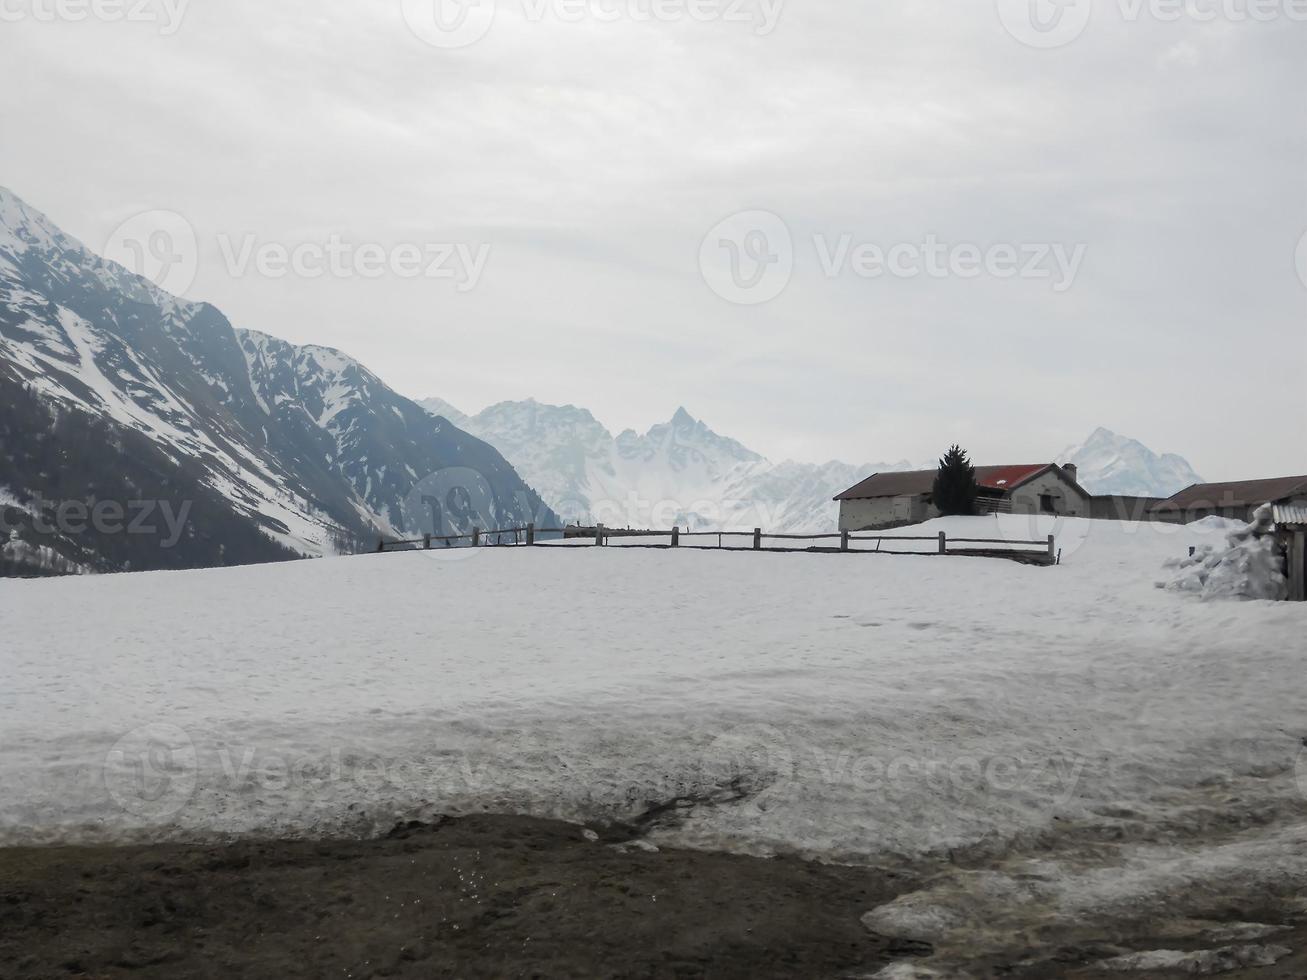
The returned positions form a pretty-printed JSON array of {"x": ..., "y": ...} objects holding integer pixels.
[{"x": 1075, "y": 722}]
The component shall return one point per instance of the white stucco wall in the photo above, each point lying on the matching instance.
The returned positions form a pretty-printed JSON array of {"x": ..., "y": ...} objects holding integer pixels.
[
  {"x": 1068, "y": 501},
  {"x": 858, "y": 515}
]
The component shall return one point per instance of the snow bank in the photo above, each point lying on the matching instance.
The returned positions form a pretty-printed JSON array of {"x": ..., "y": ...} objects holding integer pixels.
[
  {"x": 1203, "y": 962},
  {"x": 1247, "y": 566},
  {"x": 863, "y": 704}
]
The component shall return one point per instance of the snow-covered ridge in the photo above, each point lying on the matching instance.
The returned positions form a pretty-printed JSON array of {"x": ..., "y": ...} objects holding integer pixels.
[
  {"x": 71, "y": 324},
  {"x": 680, "y": 472},
  {"x": 28, "y": 238},
  {"x": 23, "y": 227},
  {"x": 303, "y": 443}
]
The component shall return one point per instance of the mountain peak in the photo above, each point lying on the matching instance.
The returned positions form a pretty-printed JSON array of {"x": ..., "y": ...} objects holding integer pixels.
[
  {"x": 1111, "y": 463},
  {"x": 22, "y": 226},
  {"x": 682, "y": 417}
]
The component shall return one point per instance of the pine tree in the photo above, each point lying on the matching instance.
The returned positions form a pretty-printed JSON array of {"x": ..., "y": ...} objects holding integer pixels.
[{"x": 955, "y": 484}]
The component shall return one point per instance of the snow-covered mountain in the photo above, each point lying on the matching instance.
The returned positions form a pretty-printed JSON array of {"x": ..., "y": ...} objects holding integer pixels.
[
  {"x": 1111, "y": 463},
  {"x": 114, "y": 391},
  {"x": 683, "y": 473},
  {"x": 678, "y": 473}
]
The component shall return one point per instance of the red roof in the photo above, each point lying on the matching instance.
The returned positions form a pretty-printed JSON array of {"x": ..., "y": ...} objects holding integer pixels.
[{"x": 1006, "y": 477}]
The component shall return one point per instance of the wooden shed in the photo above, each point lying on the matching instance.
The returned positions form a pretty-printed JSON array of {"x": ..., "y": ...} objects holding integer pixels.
[{"x": 1291, "y": 529}]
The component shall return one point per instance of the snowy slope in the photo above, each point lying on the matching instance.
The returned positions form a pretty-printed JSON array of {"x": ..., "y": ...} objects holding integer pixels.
[
  {"x": 1110, "y": 463},
  {"x": 302, "y": 446},
  {"x": 1108, "y": 741},
  {"x": 678, "y": 473}
]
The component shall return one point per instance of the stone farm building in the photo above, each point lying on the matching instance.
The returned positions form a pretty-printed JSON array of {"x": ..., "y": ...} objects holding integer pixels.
[
  {"x": 888, "y": 500},
  {"x": 1234, "y": 500}
]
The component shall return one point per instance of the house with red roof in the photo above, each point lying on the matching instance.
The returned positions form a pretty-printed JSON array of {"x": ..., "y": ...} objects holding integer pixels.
[{"x": 885, "y": 500}]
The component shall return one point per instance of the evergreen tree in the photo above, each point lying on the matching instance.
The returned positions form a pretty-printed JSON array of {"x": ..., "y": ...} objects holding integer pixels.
[{"x": 955, "y": 484}]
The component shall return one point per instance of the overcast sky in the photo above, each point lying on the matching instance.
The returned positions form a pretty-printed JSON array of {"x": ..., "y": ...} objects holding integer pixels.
[{"x": 1102, "y": 216}]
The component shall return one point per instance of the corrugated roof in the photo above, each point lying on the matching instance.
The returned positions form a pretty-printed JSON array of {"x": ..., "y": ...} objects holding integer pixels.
[
  {"x": 915, "y": 482},
  {"x": 1242, "y": 493},
  {"x": 1287, "y": 515}
]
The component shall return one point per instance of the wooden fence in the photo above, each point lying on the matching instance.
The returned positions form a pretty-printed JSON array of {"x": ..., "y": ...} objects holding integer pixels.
[{"x": 1034, "y": 552}]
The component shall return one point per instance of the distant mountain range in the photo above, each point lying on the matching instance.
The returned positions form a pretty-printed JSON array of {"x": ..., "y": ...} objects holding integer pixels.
[
  {"x": 678, "y": 473},
  {"x": 683, "y": 473},
  {"x": 117, "y": 396}
]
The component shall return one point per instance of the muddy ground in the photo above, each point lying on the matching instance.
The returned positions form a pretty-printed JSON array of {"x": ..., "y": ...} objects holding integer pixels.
[
  {"x": 475, "y": 897},
  {"x": 491, "y": 896}
]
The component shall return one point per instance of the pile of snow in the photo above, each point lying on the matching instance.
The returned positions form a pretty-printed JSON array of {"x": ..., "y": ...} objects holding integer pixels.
[{"x": 1247, "y": 566}]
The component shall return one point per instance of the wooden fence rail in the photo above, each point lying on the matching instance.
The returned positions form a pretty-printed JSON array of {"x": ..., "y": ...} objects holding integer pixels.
[{"x": 599, "y": 536}]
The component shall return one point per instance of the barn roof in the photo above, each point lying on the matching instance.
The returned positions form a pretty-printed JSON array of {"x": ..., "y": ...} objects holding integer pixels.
[
  {"x": 1242, "y": 493},
  {"x": 1289, "y": 515},
  {"x": 914, "y": 482},
  {"x": 906, "y": 484},
  {"x": 1007, "y": 477}
]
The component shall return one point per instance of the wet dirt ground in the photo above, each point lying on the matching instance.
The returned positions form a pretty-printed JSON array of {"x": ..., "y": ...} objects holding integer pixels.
[
  {"x": 502, "y": 897},
  {"x": 484, "y": 896}
]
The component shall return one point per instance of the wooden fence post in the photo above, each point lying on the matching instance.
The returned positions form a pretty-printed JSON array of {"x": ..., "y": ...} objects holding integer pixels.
[
  {"x": 476, "y": 537},
  {"x": 757, "y": 539},
  {"x": 530, "y": 534},
  {"x": 943, "y": 543},
  {"x": 1052, "y": 552},
  {"x": 676, "y": 537},
  {"x": 426, "y": 542},
  {"x": 599, "y": 535},
  {"x": 844, "y": 541}
]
